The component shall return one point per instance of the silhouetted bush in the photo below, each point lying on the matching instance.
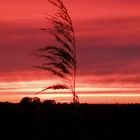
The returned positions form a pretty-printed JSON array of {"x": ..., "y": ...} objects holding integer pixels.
[
  {"x": 26, "y": 100},
  {"x": 49, "y": 102},
  {"x": 29, "y": 100},
  {"x": 36, "y": 100}
]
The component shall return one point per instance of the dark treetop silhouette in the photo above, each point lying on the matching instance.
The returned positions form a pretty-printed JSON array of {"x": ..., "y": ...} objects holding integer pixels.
[{"x": 60, "y": 59}]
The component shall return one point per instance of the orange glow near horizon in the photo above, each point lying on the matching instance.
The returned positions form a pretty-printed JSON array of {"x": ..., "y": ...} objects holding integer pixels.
[
  {"x": 17, "y": 90},
  {"x": 35, "y": 86},
  {"x": 104, "y": 98}
]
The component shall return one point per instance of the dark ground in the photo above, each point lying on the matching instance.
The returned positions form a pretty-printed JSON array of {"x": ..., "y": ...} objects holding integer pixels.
[{"x": 44, "y": 121}]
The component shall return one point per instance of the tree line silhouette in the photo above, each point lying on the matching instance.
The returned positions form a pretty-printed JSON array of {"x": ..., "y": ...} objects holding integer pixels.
[{"x": 32, "y": 119}]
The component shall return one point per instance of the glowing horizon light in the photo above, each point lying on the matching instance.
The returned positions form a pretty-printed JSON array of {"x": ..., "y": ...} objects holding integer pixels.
[
  {"x": 36, "y": 86},
  {"x": 84, "y": 98}
]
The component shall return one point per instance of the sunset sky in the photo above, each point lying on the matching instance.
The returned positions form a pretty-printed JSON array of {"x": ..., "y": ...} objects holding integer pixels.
[{"x": 108, "y": 49}]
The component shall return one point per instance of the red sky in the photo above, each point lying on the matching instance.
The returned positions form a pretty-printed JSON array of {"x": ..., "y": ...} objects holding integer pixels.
[{"x": 108, "y": 45}]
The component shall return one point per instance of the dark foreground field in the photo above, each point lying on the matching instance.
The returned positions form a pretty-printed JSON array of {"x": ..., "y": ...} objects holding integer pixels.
[{"x": 45, "y": 121}]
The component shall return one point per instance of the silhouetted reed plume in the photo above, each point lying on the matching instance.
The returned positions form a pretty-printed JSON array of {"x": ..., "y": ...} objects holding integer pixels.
[{"x": 60, "y": 58}]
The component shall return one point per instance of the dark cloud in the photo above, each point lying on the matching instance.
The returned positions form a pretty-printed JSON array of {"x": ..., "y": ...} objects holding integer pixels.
[
  {"x": 18, "y": 42},
  {"x": 109, "y": 60},
  {"x": 134, "y": 80},
  {"x": 112, "y": 48},
  {"x": 109, "y": 23}
]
